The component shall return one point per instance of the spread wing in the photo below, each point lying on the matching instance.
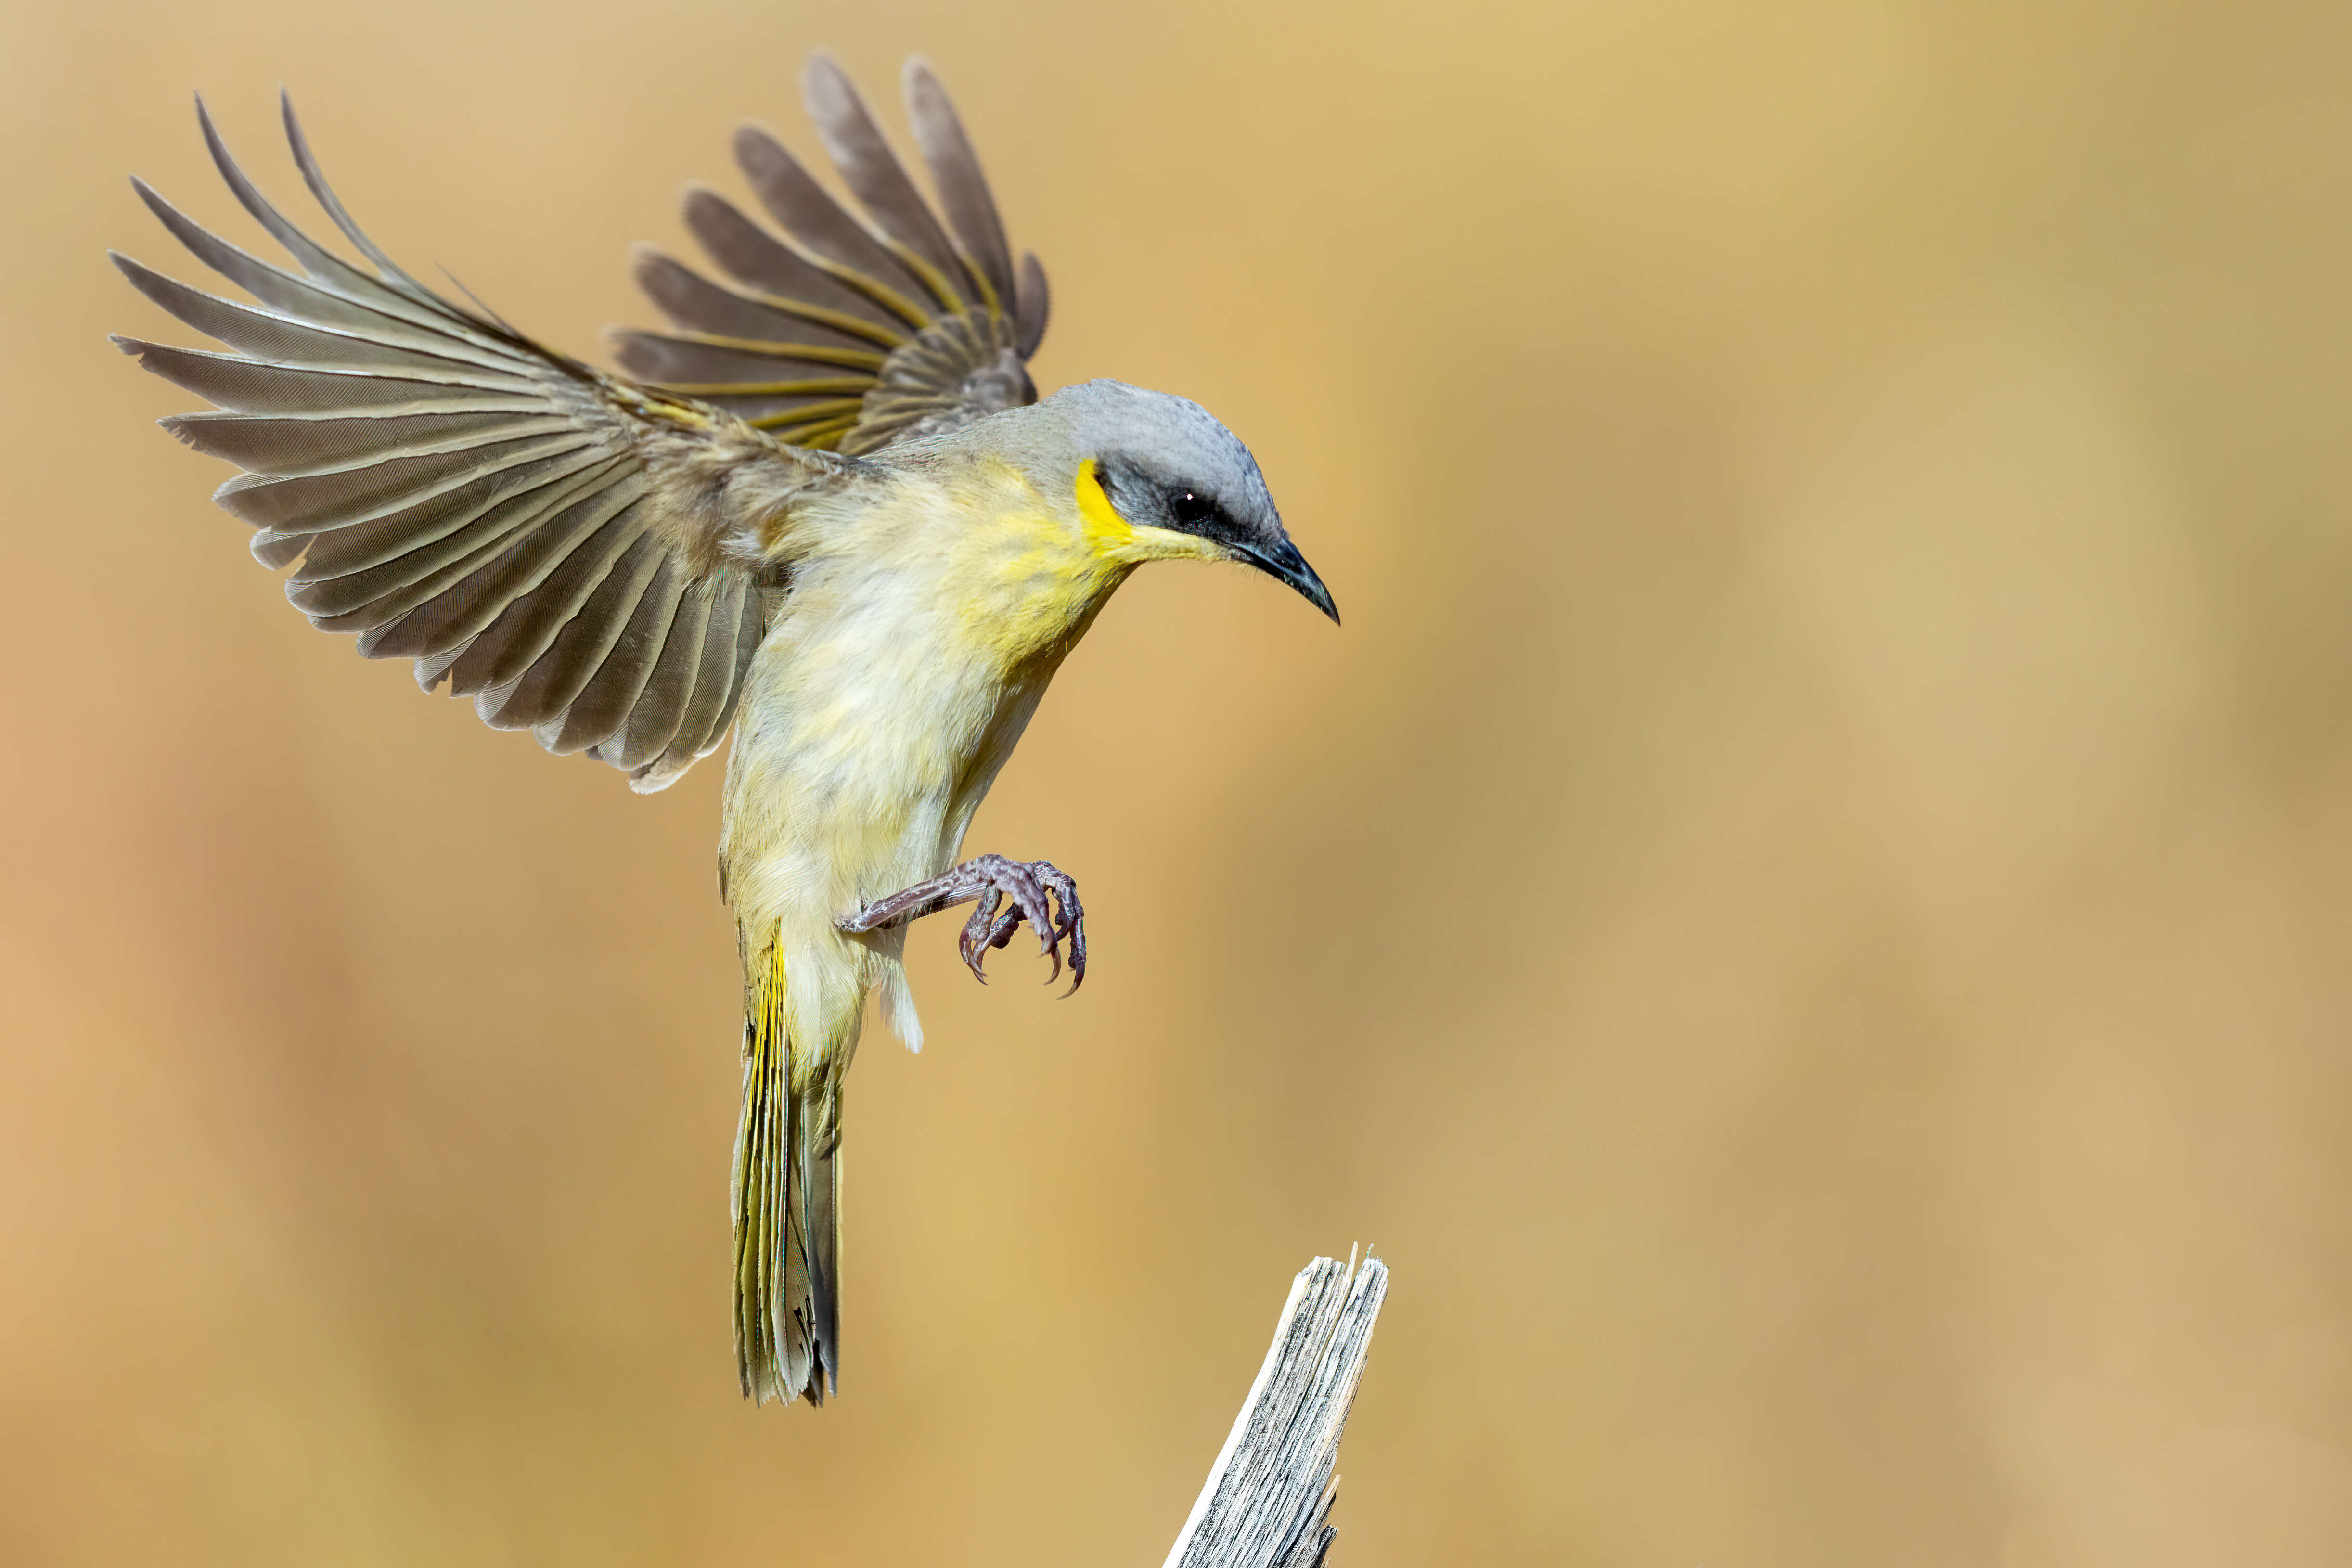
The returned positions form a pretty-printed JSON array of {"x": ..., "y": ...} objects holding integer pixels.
[
  {"x": 577, "y": 553},
  {"x": 844, "y": 333}
]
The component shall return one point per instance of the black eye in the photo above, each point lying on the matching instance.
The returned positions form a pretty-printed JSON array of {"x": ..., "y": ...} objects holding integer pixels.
[{"x": 1190, "y": 510}]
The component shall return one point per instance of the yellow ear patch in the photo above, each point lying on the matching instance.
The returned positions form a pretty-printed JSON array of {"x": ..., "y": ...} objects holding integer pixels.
[
  {"x": 1119, "y": 539},
  {"x": 1105, "y": 528}
]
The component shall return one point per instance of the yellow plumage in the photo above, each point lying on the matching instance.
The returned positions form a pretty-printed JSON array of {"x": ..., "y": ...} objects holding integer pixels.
[{"x": 924, "y": 627}]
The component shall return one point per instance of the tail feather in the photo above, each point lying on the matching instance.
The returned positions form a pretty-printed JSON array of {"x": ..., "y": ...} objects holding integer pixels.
[{"x": 786, "y": 1199}]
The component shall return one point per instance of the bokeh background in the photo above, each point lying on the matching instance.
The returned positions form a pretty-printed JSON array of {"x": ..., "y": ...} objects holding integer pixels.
[{"x": 1808, "y": 911}]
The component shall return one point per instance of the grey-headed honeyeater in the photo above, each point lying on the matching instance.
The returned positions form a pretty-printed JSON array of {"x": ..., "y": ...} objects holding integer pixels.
[{"x": 832, "y": 512}]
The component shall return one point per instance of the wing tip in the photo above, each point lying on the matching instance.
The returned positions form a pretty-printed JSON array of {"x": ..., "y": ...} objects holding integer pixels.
[
  {"x": 617, "y": 337},
  {"x": 829, "y": 94},
  {"x": 139, "y": 274},
  {"x": 154, "y": 200},
  {"x": 213, "y": 138},
  {"x": 750, "y": 139},
  {"x": 1033, "y": 305},
  {"x": 825, "y": 72},
  {"x": 698, "y": 196},
  {"x": 294, "y": 138}
]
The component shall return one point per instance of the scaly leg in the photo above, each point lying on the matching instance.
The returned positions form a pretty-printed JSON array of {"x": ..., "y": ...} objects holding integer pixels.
[{"x": 1009, "y": 891}]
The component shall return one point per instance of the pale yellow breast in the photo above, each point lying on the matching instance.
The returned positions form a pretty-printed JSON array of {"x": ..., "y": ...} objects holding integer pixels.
[{"x": 907, "y": 658}]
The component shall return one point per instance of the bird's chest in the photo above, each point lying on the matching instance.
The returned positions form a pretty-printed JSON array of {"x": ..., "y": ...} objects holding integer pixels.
[
  {"x": 898, "y": 680},
  {"x": 949, "y": 649},
  {"x": 1023, "y": 587}
]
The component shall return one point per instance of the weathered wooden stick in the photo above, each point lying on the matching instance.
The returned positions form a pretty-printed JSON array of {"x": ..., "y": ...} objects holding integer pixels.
[{"x": 1268, "y": 1501}]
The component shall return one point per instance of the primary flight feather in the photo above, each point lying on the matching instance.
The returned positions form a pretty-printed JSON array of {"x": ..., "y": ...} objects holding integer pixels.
[{"x": 829, "y": 513}]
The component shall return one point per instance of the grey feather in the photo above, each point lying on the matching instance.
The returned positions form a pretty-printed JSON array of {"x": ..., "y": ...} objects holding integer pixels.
[
  {"x": 275, "y": 549},
  {"x": 1031, "y": 307},
  {"x": 378, "y": 607},
  {"x": 403, "y": 623},
  {"x": 955, "y": 173},
  {"x": 297, "y": 297},
  {"x": 393, "y": 608},
  {"x": 582, "y": 531},
  {"x": 403, "y": 551},
  {"x": 737, "y": 625},
  {"x": 387, "y": 270},
  {"x": 819, "y": 1218},
  {"x": 429, "y": 672},
  {"x": 529, "y": 670},
  {"x": 810, "y": 214},
  {"x": 244, "y": 386},
  {"x": 380, "y": 571},
  {"x": 677, "y": 360},
  {"x": 781, "y": 411},
  {"x": 322, "y": 264},
  {"x": 875, "y": 177},
  {"x": 756, "y": 259},
  {"x": 295, "y": 445},
  {"x": 603, "y": 704},
  {"x": 282, "y": 339},
  {"x": 366, "y": 491},
  {"x": 429, "y": 518},
  {"x": 573, "y": 555},
  {"x": 694, "y": 303},
  {"x": 660, "y": 708}
]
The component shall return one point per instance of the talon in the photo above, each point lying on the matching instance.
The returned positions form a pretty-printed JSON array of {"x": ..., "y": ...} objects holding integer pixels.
[
  {"x": 1006, "y": 892},
  {"x": 1061, "y": 935},
  {"x": 980, "y": 934},
  {"x": 1071, "y": 927}
]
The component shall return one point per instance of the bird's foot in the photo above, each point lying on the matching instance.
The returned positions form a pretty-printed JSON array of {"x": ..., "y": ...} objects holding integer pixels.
[{"x": 1009, "y": 891}]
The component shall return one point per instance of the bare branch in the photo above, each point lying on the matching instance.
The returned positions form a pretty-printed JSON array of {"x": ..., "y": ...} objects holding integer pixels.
[{"x": 1268, "y": 1501}]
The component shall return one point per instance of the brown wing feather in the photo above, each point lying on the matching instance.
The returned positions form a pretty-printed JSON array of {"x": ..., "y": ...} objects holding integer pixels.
[
  {"x": 548, "y": 539},
  {"x": 841, "y": 332}
]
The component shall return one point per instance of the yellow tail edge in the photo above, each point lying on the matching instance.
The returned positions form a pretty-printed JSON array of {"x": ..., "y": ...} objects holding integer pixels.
[{"x": 785, "y": 1200}]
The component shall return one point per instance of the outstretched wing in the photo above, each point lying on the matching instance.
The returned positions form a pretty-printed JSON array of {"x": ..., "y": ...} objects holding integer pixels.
[
  {"x": 577, "y": 553},
  {"x": 847, "y": 334}
]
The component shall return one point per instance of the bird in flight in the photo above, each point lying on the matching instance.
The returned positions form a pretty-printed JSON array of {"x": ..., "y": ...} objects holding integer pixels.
[{"x": 826, "y": 508}]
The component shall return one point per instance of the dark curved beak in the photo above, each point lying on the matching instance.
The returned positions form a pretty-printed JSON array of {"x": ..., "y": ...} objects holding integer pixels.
[{"x": 1283, "y": 563}]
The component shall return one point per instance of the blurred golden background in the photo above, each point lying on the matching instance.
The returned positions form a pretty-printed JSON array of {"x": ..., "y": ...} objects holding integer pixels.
[{"x": 1808, "y": 912}]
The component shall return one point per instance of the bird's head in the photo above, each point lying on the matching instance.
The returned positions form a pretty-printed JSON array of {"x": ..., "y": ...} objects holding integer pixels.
[{"x": 1157, "y": 477}]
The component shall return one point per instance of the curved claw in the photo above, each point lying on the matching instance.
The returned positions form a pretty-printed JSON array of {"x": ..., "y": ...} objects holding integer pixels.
[
  {"x": 1007, "y": 892},
  {"x": 979, "y": 933},
  {"x": 1077, "y": 953},
  {"x": 1071, "y": 926}
]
